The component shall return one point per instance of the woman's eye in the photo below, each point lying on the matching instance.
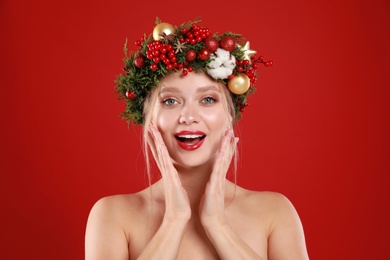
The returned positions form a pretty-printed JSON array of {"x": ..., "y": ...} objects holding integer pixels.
[
  {"x": 208, "y": 100},
  {"x": 169, "y": 102}
]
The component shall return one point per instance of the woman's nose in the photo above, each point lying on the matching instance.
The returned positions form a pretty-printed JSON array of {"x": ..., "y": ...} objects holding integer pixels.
[{"x": 189, "y": 115}]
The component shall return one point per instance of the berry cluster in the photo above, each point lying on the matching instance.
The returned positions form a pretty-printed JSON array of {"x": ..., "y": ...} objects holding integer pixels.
[
  {"x": 194, "y": 35},
  {"x": 249, "y": 67},
  {"x": 158, "y": 51}
]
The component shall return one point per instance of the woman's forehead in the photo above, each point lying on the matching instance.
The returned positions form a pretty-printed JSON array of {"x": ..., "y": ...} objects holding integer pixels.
[
  {"x": 199, "y": 82},
  {"x": 179, "y": 89}
]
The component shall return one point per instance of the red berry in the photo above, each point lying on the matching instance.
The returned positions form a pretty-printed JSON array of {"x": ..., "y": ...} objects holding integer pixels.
[
  {"x": 130, "y": 94},
  {"x": 171, "y": 54},
  {"x": 184, "y": 72},
  {"x": 153, "y": 67},
  {"x": 190, "y": 55},
  {"x": 204, "y": 54},
  {"x": 228, "y": 43},
  {"x": 211, "y": 43},
  {"x": 262, "y": 59},
  {"x": 139, "y": 62}
]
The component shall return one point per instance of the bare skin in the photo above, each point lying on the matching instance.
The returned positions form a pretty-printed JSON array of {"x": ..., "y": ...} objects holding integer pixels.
[{"x": 193, "y": 212}]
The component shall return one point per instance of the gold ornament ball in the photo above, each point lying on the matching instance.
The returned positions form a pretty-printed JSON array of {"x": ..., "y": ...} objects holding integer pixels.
[
  {"x": 162, "y": 28},
  {"x": 239, "y": 84}
]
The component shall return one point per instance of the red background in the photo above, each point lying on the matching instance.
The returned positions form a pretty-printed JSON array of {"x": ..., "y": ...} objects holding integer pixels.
[{"x": 316, "y": 130}]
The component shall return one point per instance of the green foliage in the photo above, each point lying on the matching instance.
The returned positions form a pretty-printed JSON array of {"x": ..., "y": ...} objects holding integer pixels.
[{"x": 141, "y": 81}]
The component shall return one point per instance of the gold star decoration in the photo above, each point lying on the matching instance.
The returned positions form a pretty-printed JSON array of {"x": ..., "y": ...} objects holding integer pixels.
[{"x": 248, "y": 53}]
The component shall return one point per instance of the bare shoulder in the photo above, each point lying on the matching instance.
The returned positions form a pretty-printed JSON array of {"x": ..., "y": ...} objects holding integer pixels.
[
  {"x": 273, "y": 203},
  {"x": 117, "y": 205},
  {"x": 105, "y": 236},
  {"x": 268, "y": 205},
  {"x": 286, "y": 238}
]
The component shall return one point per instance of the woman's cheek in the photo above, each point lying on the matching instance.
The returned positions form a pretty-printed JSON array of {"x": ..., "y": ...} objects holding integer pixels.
[
  {"x": 216, "y": 119},
  {"x": 165, "y": 122}
]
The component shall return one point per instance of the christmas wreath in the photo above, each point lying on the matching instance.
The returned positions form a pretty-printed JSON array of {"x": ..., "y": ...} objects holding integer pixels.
[{"x": 184, "y": 49}]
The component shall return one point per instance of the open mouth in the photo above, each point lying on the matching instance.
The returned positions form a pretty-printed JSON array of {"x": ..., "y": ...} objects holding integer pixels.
[{"x": 190, "y": 141}]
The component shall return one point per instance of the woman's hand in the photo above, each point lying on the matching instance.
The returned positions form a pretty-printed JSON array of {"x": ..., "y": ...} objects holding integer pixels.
[
  {"x": 177, "y": 206},
  {"x": 212, "y": 209},
  {"x": 167, "y": 240},
  {"x": 212, "y": 206}
]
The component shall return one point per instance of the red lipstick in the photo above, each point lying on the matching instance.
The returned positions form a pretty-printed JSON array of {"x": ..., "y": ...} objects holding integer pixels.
[{"x": 190, "y": 140}]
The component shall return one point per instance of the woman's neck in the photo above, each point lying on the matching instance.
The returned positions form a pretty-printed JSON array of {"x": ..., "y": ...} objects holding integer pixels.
[{"x": 194, "y": 181}]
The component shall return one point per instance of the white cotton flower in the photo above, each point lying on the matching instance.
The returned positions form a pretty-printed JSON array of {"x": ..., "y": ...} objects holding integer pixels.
[
  {"x": 221, "y": 65},
  {"x": 230, "y": 64},
  {"x": 220, "y": 73},
  {"x": 215, "y": 62},
  {"x": 224, "y": 55}
]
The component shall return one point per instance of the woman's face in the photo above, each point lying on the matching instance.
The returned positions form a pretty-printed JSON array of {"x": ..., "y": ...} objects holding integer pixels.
[{"x": 191, "y": 117}]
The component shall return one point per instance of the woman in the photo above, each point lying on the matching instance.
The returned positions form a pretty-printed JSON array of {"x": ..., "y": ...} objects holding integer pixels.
[{"x": 193, "y": 211}]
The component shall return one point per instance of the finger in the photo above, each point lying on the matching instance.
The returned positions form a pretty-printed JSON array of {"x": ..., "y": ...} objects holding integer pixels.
[
  {"x": 224, "y": 157},
  {"x": 152, "y": 145},
  {"x": 168, "y": 171},
  {"x": 156, "y": 143}
]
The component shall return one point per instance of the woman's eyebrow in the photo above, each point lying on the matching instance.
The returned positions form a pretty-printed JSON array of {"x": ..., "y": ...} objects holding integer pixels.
[
  {"x": 207, "y": 88},
  {"x": 169, "y": 89},
  {"x": 177, "y": 90}
]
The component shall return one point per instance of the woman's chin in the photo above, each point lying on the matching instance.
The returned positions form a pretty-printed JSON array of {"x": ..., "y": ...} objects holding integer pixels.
[{"x": 192, "y": 162}]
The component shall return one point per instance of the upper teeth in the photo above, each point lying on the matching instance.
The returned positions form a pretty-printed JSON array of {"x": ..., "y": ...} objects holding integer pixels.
[{"x": 190, "y": 136}]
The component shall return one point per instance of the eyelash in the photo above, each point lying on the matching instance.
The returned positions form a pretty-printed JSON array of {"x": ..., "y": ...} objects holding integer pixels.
[
  {"x": 172, "y": 102},
  {"x": 165, "y": 101},
  {"x": 213, "y": 100}
]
